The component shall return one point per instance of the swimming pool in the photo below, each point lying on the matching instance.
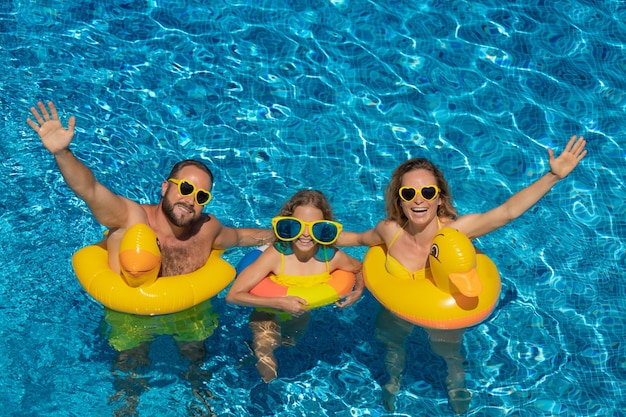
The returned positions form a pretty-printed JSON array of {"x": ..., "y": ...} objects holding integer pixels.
[{"x": 281, "y": 95}]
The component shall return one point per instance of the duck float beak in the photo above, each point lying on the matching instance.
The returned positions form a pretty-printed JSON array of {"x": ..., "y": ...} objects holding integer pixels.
[
  {"x": 467, "y": 283},
  {"x": 140, "y": 256},
  {"x": 453, "y": 263}
]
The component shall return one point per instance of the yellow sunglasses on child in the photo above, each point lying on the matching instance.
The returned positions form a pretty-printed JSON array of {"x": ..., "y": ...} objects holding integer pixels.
[{"x": 324, "y": 232}]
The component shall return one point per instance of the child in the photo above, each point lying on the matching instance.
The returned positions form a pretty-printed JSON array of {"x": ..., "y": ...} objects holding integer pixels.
[{"x": 305, "y": 232}]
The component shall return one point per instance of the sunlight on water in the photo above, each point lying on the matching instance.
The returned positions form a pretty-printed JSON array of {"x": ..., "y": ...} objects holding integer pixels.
[{"x": 278, "y": 96}]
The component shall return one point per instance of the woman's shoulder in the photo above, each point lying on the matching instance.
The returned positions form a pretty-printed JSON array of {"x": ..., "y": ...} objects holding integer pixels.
[
  {"x": 387, "y": 229},
  {"x": 447, "y": 221},
  {"x": 388, "y": 224}
]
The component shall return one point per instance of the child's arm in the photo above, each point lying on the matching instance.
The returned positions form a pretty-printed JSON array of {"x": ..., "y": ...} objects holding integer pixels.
[
  {"x": 265, "y": 264},
  {"x": 345, "y": 262}
]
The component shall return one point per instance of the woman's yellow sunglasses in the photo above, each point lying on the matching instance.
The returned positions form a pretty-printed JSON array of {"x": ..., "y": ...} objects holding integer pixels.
[{"x": 428, "y": 193}]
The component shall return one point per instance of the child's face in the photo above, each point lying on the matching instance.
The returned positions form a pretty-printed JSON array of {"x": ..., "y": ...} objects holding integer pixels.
[{"x": 306, "y": 213}]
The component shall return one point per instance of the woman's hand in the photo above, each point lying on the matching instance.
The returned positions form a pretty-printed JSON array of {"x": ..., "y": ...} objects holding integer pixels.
[{"x": 571, "y": 156}]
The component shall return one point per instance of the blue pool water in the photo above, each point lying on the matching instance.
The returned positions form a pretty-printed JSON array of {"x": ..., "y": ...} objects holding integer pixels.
[{"x": 280, "y": 95}]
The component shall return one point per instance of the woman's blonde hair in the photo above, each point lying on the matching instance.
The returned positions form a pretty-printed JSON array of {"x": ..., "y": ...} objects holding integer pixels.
[{"x": 393, "y": 202}]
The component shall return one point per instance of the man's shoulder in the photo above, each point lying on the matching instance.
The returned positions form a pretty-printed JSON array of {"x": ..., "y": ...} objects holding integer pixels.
[
  {"x": 209, "y": 219},
  {"x": 148, "y": 210},
  {"x": 209, "y": 224}
]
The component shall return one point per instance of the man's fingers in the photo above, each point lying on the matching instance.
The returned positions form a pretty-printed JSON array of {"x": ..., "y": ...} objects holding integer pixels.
[
  {"x": 36, "y": 115},
  {"x": 43, "y": 110},
  {"x": 32, "y": 124},
  {"x": 53, "y": 111}
]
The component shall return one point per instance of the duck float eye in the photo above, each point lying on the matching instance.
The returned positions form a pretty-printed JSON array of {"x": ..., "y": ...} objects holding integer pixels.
[{"x": 434, "y": 251}]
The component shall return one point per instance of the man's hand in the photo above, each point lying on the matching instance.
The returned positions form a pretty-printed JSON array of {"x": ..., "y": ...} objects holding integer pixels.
[{"x": 53, "y": 135}]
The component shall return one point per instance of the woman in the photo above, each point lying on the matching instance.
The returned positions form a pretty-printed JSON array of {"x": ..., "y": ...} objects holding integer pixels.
[
  {"x": 418, "y": 203},
  {"x": 305, "y": 234}
]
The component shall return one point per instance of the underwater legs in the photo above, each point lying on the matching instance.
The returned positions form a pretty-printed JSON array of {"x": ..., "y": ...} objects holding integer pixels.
[
  {"x": 266, "y": 338},
  {"x": 392, "y": 332},
  {"x": 447, "y": 344}
]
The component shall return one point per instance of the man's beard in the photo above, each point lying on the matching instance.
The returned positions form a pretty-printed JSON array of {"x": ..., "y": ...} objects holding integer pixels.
[{"x": 168, "y": 211}]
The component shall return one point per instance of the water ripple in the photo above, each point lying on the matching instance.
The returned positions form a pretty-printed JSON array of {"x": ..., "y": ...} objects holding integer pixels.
[{"x": 277, "y": 96}]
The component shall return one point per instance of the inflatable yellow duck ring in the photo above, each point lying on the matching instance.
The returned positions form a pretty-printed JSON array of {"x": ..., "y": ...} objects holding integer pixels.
[
  {"x": 460, "y": 288},
  {"x": 138, "y": 289}
]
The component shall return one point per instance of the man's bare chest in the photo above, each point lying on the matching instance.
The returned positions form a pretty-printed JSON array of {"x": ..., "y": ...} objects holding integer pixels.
[{"x": 183, "y": 257}]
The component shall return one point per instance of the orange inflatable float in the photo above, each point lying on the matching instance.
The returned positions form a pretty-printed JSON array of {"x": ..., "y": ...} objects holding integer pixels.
[{"x": 316, "y": 294}]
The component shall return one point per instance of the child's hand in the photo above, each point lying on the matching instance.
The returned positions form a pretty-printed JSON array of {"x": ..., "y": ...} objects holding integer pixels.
[
  {"x": 357, "y": 292},
  {"x": 293, "y": 305},
  {"x": 350, "y": 298}
]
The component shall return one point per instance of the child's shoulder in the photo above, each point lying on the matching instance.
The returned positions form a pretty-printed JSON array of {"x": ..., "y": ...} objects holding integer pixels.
[{"x": 326, "y": 253}]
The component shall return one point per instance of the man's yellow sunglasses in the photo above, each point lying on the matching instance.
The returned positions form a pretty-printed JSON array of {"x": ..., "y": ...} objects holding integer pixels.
[{"x": 186, "y": 187}]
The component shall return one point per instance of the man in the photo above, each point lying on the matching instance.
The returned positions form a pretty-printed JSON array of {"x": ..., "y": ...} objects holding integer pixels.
[
  {"x": 185, "y": 234},
  {"x": 186, "y": 238}
]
